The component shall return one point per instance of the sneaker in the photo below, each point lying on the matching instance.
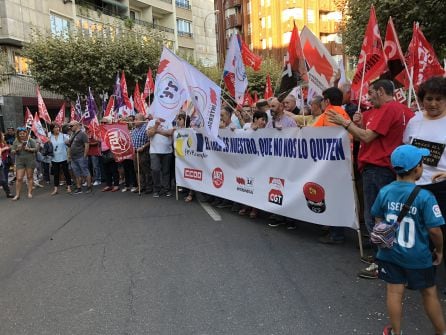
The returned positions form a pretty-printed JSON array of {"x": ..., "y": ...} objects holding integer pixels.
[
  {"x": 275, "y": 224},
  {"x": 78, "y": 191},
  {"x": 134, "y": 189},
  {"x": 84, "y": 184},
  {"x": 156, "y": 195},
  {"x": 168, "y": 194},
  {"x": 327, "y": 239},
  {"x": 96, "y": 183},
  {"x": 125, "y": 189},
  {"x": 387, "y": 330},
  {"x": 368, "y": 259},
  {"x": 370, "y": 272},
  {"x": 36, "y": 183},
  {"x": 62, "y": 183},
  {"x": 9, "y": 195}
]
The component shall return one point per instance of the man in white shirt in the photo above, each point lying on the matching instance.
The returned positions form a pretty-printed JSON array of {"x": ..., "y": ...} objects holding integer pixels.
[{"x": 160, "y": 133}]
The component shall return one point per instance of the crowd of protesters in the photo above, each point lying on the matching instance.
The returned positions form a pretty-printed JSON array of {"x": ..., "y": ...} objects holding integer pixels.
[{"x": 74, "y": 157}]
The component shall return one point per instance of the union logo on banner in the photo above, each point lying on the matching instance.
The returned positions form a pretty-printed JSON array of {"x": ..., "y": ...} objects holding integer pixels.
[
  {"x": 168, "y": 90},
  {"x": 117, "y": 138}
]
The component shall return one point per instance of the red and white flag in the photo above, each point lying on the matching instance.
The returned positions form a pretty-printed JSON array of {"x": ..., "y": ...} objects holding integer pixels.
[
  {"x": 110, "y": 107},
  {"x": 256, "y": 98},
  {"x": 234, "y": 73},
  {"x": 60, "y": 117},
  {"x": 124, "y": 91},
  {"x": 372, "y": 61},
  {"x": 72, "y": 112},
  {"x": 249, "y": 58},
  {"x": 137, "y": 100},
  {"x": 94, "y": 128},
  {"x": 28, "y": 118},
  {"x": 421, "y": 59},
  {"x": 268, "y": 88},
  {"x": 43, "y": 112},
  {"x": 117, "y": 138},
  {"x": 38, "y": 129},
  {"x": 248, "y": 99},
  {"x": 149, "y": 86},
  {"x": 322, "y": 66},
  {"x": 392, "y": 50},
  {"x": 171, "y": 88}
]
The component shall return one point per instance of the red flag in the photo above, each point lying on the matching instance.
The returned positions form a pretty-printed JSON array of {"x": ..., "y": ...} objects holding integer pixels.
[
  {"x": 94, "y": 128},
  {"x": 421, "y": 59},
  {"x": 248, "y": 99},
  {"x": 149, "y": 87},
  {"x": 43, "y": 112},
  {"x": 392, "y": 50},
  {"x": 249, "y": 58},
  {"x": 38, "y": 129},
  {"x": 372, "y": 62},
  {"x": 268, "y": 88},
  {"x": 72, "y": 112},
  {"x": 117, "y": 138},
  {"x": 125, "y": 93},
  {"x": 28, "y": 118},
  {"x": 60, "y": 117},
  {"x": 139, "y": 106},
  {"x": 110, "y": 107}
]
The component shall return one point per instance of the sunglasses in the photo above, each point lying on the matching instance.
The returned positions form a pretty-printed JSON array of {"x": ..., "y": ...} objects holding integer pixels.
[{"x": 21, "y": 129}]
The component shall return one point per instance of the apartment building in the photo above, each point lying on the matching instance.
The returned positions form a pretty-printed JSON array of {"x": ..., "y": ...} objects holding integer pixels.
[
  {"x": 266, "y": 25},
  {"x": 187, "y": 26}
]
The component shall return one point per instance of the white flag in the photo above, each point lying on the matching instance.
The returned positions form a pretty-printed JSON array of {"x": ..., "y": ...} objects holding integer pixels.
[
  {"x": 170, "y": 87},
  {"x": 234, "y": 71}
]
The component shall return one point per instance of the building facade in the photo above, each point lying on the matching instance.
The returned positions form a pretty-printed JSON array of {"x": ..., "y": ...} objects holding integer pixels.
[
  {"x": 266, "y": 25},
  {"x": 187, "y": 26}
]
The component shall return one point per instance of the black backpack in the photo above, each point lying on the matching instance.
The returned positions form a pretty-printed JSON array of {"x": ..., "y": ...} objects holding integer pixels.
[{"x": 48, "y": 149}]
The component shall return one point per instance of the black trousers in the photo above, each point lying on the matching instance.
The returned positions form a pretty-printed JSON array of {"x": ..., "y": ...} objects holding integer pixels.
[{"x": 57, "y": 166}]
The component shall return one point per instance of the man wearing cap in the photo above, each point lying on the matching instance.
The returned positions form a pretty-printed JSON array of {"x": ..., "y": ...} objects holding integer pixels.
[
  {"x": 380, "y": 131},
  {"x": 79, "y": 146},
  {"x": 409, "y": 261}
]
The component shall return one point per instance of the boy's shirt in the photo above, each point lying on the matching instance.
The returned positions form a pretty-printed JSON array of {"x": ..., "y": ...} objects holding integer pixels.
[{"x": 411, "y": 247}]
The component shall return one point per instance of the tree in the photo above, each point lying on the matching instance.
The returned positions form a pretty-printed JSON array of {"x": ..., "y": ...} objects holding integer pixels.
[
  {"x": 69, "y": 64},
  {"x": 428, "y": 12}
]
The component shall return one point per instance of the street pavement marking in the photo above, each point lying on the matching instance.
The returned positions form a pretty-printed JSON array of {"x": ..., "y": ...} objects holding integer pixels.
[{"x": 211, "y": 211}]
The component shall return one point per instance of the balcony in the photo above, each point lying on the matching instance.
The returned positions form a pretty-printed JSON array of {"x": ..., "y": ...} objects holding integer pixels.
[
  {"x": 22, "y": 86},
  {"x": 232, "y": 3},
  {"x": 154, "y": 26},
  {"x": 234, "y": 20},
  {"x": 183, "y": 4},
  {"x": 185, "y": 34},
  {"x": 83, "y": 8}
]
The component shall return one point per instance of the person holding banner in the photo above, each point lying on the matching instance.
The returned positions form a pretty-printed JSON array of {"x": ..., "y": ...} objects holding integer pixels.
[
  {"x": 160, "y": 133},
  {"x": 380, "y": 131},
  {"x": 24, "y": 148},
  {"x": 427, "y": 130}
]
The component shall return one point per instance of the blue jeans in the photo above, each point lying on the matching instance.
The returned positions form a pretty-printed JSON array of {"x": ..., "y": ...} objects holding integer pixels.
[
  {"x": 373, "y": 179},
  {"x": 95, "y": 164}
]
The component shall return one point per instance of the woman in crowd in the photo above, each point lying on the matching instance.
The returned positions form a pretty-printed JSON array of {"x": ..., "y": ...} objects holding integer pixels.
[
  {"x": 427, "y": 129},
  {"x": 60, "y": 157},
  {"x": 183, "y": 121},
  {"x": 24, "y": 148},
  {"x": 4, "y": 166}
]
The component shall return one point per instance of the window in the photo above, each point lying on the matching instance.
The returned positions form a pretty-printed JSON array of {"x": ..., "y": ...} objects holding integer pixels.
[
  {"x": 262, "y": 22},
  {"x": 263, "y": 44},
  {"x": 268, "y": 3},
  {"x": 268, "y": 22},
  {"x": 183, "y": 4},
  {"x": 59, "y": 25},
  {"x": 248, "y": 7},
  {"x": 249, "y": 28},
  {"x": 286, "y": 38},
  {"x": 292, "y": 13},
  {"x": 270, "y": 43},
  {"x": 184, "y": 28},
  {"x": 21, "y": 64}
]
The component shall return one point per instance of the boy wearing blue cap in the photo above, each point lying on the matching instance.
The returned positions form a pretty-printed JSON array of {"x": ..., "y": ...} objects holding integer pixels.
[{"x": 409, "y": 262}]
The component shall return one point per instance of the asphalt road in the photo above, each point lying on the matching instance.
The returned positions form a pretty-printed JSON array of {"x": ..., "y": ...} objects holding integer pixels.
[{"x": 117, "y": 263}]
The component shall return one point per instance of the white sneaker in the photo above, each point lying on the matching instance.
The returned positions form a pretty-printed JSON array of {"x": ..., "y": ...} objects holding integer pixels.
[
  {"x": 134, "y": 189},
  {"x": 36, "y": 183},
  {"x": 125, "y": 189},
  {"x": 96, "y": 183},
  {"x": 84, "y": 184}
]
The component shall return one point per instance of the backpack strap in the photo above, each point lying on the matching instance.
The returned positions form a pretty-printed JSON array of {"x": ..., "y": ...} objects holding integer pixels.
[{"x": 408, "y": 203}]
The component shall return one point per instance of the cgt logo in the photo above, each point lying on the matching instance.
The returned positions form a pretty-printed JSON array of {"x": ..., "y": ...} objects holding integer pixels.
[
  {"x": 275, "y": 195},
  {"x": 218, "y": 177},
  {"x": 193, "y": 174}
]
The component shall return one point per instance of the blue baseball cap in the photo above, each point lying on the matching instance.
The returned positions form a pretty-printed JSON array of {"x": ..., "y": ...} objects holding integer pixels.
[{"x": 406, "y": 157}]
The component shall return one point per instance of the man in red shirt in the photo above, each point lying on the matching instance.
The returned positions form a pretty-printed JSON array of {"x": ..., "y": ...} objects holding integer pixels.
[{"x": 380, "y": 131}]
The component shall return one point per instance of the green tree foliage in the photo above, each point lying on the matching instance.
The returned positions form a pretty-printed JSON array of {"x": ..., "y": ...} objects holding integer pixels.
[
  {"x": 430, "y": 14},
  {"x": 69, "y": 64}
]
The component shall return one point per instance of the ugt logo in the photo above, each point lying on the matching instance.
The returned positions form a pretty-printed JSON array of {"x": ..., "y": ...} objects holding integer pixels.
[{"x": 218, "y": 177}]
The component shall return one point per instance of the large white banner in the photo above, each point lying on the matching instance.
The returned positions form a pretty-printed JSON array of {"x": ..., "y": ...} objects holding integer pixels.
[{"x": 304, "y": 174}]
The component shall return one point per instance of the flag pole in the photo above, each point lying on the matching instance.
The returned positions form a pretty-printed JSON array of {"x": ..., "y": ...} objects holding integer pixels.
[
  {"x": 362, "y": 82},
  {"x": 139, "y": 175}
]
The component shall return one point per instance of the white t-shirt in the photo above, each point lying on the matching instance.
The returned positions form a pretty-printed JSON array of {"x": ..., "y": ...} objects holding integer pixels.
[
  {"x": 160, "y": 144},
  {"x": 430, "y": 134}
]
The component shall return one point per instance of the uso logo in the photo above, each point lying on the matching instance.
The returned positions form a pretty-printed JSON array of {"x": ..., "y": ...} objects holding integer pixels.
[
  {"x": 193, "y": 174},
  {"x": 218, "y": 177}
]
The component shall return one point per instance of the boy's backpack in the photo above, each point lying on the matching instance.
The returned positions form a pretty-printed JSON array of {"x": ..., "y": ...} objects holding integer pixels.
[
  {"x": 383, "y": 234},
  {"x": 47, "y": 149}
]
